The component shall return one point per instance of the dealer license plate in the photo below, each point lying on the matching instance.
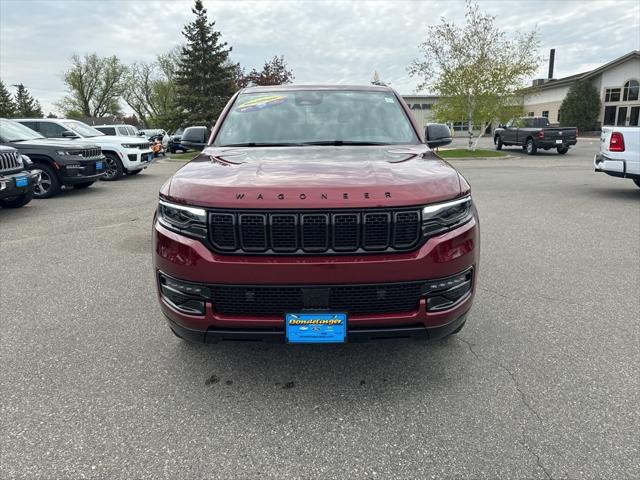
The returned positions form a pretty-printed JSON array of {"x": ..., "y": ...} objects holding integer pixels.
[
  {"x": 99, "y": 166},
  {"x": 558, "y": 141},
  {"x": 316, "y": 327},
  {"x": 22, "y": 181}
]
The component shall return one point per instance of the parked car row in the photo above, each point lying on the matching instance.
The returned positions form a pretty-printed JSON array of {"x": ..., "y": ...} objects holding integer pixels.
[
  {"x": 183, "y": 139},
  {"x": 49, "y": 154}
]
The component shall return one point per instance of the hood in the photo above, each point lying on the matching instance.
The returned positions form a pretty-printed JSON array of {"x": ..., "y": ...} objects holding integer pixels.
[
  {"x": 314, "y": 177},
  {"x": 111, "y": 139},
  {"x": 47, "y": 144}
]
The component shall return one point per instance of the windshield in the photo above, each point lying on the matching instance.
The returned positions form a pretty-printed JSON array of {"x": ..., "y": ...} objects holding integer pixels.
[
  {"x": 83, "y": 129},
  {"x": 316, "y": 117},
  {"x": 16, "y": 132}
]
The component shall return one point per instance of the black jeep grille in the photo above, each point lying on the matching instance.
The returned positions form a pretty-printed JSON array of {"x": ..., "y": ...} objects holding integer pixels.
[
  {"x": 91, "y": 152},
  {"x": 315, "y": 231},
  {"x": 368, "y": 299}
]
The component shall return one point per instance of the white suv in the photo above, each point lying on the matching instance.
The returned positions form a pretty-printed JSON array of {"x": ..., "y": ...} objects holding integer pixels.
[
  {"x": 128, "y": 155},
  {"x": 119, "y": 130}
]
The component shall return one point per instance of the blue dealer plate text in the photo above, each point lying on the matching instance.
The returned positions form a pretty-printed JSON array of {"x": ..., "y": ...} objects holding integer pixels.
[{"x": 316, "y": 327}]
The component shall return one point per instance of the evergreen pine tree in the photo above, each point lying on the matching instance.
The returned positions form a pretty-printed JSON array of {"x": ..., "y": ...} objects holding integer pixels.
[
  {"x": 26, "y": 105},
  {"x": 7, "y": 106},
  {"x": 204, "y": 76},
  {"x": 581, "y": 107}
]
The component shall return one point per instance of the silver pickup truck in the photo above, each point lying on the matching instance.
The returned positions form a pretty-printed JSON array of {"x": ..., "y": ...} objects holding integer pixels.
[{"x": 619, "y": 154}]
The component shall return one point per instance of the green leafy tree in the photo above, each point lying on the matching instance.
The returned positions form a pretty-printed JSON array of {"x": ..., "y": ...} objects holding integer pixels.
[
  {"x": 274, "y": 72},
  {"x": 26, "y": 105},
  {"x": 475, "y": 70},
  {"x": 204, "y": 75},
  {"x": 95, "y": 85},
  {"x": 7, "y": 106},
  {"x": 581, "y": 107}
]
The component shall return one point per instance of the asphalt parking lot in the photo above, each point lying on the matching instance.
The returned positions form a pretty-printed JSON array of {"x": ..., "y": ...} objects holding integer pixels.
[{"x": 542, "y": 382}]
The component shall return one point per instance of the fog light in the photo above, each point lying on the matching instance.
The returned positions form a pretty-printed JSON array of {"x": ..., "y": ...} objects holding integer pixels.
[
  {"x": 186, "y": 297},
  {"x": 445, "y": 293}
]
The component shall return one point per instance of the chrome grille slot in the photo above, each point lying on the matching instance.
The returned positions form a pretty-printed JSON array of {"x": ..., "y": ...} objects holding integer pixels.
[{"x": 10, "y": 161}]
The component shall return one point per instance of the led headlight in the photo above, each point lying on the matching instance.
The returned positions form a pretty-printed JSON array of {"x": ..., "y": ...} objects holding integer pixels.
[
  {"x": 442, "y": 217},
  {"x": 68, "y": 153},
  {"x": 130, "y": 145},
  {"x": 190, "y": 221}
]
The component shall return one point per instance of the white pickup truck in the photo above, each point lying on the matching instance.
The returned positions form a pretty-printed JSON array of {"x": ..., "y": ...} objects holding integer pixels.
[{"x": 619, "y": 154}]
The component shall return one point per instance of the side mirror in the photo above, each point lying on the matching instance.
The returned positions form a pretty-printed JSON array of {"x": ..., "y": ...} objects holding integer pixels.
[
  {"x": 195, "y": 138},
  {"x": 141, "y": 134},
  {"x": 500, "y": 125},
  {"x": 69, "y": 134},
  {"x": 437, "y": 135}
]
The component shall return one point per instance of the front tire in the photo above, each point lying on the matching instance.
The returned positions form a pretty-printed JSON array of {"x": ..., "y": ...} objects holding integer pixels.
[
  {"x": 49, "y": 185},
  {"x": 83, "y": 185},
  {"x": 115, "y": 170},
  {"x": 499, "y": 143},
  {"x": 17, "y": 201},
  {"x": 531, "y": 147},
  {"x": 563, "y": 150}
]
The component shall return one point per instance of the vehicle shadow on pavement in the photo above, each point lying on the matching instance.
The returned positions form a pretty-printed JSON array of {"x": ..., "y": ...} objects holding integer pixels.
[
  {"x": 631, "y": 192},
  {"x": 329, "y": 370}
]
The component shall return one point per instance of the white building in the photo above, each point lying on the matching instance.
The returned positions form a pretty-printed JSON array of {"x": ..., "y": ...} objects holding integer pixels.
[
  {"x": 421, "y": 106},
  {"x": 618, "y": 83}
]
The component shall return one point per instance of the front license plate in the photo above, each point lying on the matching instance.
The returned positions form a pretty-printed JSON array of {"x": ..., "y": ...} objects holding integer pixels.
[
  {"x": 22, "y": 181},
  {"x": 99, "y": 166},
  {"x": 558, "y": 141},
  {"x": 316, "y": 327}
]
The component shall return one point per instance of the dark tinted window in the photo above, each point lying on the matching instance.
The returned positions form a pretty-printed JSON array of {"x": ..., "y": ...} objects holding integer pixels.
[
  {"x": 631, "y": 90},
  {"x": 107, "y": 130},
  {"x": 50, "y": 130}
]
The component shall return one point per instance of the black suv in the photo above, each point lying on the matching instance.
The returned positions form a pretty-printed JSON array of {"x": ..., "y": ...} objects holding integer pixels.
[
  {"x": 174, "y": 141},
  {"x": 60, "y": 162},
  {"x": 16, "y": 183}
]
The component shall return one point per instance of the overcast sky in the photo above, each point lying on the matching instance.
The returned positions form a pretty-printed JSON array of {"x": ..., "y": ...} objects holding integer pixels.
[{"x": 323, "y": 42}]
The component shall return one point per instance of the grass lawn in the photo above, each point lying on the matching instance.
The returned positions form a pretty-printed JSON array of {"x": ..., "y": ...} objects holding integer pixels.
[
  {"x": 464, "y": 153},
  {"x": 182, "y": 157}
]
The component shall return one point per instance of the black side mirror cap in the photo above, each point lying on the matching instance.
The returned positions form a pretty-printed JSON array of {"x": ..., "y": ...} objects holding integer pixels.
[
  {"x": 69, "y": 134},
  {"x": 437, "y": 135}
]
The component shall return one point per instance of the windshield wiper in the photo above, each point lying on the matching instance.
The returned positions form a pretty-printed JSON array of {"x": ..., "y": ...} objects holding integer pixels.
[
  {"x": 344, "y": 142},
  {"x": 258, "y": 144}
]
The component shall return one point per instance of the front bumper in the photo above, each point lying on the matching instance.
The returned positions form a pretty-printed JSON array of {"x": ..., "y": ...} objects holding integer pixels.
[
  {"x": 9, "y": 183},
  {"x": 615, "y": 167},
  {"x": 443, "y": 256},
  {"x": 134, "y": 159},
  {"x": 84, "y": 171}
]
